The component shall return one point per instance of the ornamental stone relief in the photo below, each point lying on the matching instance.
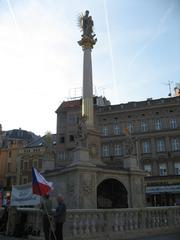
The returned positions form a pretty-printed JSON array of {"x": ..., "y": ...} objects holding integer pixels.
[
  {"x": 70, "y": 192},
  {"x": 93, "y": 150},
  {"x": 87, "y": 184},
  {"x": 137, "y": 186}
]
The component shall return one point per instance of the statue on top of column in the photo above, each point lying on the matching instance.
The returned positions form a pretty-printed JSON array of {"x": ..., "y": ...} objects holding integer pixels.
[{"x": 86, "y": 25}]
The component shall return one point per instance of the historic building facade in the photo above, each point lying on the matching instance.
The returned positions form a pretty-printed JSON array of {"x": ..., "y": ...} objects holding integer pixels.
[
  {"x": 10, "y": 144},
  {"x": 155, "y": 126},
  {"x": 19, "y": 151},
  {"x": 39, "y": 154}
]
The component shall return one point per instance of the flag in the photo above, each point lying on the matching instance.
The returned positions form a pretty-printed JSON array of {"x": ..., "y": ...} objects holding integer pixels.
[{"x": 39, "y": 184}]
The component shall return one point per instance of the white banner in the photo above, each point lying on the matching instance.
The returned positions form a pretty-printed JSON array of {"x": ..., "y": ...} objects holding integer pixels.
[{"x": 21, "y": 195}]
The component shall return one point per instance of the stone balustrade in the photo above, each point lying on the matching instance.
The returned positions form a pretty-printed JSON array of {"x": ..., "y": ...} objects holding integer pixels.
[{"x": 111, "y": 223}]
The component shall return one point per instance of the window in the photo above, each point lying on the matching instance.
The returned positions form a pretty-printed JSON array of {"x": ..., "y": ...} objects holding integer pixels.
[
  {"x": 130, "y": 127},
  {"x": 9, "y": 183},
  {"x": 61, "y": 120},
  {"x": 25, "y": 165},
  {"x": 175, "y": 144},
  {"x": 71, "y": 138},
  {"x": 118, "y": 150},
  {"x": 148, "y": 168},
  {"x": 162, "y": 169},
  {"x": 35, "y": 164},
  {"x": 105, "y": 150},
  {"x": 72, "y": 119},
  {"x": 172, "y": 123},
  {"x": 30, "y": 163},
  {"x": 61, "y": 139},
  {"x": 160, "y": 145},
  {"x": 177, "y": 168},
  {"x": 146, "y": 146},
  {"x": 158, "y": 124},
  {"x": 105, "y": 131},
  {"x": 116, "y": 129},
  {"x": 144, "y": 126},
  {"x": 62, "y": 156},
  {"x": 10, "y": 154},
  {"x": 25, "y": 180},
  {"x": 9, "y": 167},
  {"x": 39, "y": 163}
]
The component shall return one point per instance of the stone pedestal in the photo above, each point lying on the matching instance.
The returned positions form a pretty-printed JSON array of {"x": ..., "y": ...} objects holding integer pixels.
[
  {"x": 94, "y": 146},
  {"x": 79, "y": 184},
  {"x": 81, "y": 157},
  {"x": 131, "y": 162}
]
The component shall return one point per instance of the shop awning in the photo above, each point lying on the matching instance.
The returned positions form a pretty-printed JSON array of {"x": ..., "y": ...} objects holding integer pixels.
[{"x": 163, "y": 189}]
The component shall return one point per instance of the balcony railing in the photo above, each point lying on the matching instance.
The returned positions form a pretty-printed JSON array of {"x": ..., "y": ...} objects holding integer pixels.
[{"x": 110, "y": 223}]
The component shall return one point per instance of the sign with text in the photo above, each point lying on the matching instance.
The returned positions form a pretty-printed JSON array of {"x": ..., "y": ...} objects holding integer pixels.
[{"x": 22, "y": 195}]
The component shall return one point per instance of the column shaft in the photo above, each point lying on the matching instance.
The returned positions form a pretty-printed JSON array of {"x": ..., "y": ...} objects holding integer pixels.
[{"x": 87, "y": 101}]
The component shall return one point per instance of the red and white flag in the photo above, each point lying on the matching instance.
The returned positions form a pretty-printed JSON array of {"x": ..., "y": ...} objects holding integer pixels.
[{"x": 40, "y": 186}]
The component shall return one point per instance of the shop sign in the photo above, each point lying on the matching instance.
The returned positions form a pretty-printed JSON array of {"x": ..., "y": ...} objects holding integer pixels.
[{"x": 163, "y": 189}]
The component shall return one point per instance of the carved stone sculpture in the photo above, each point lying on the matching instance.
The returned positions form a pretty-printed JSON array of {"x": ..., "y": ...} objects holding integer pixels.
[
  {"x": 86, "y": 25},
  {"x": 82, "y": 132}
]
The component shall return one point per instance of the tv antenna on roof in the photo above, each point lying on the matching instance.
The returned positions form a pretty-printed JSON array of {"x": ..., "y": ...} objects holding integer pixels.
[{"x": 169, "y": 85}]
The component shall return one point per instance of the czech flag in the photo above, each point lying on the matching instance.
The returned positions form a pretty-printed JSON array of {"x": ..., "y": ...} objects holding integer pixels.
[{"x": 40, "y": 186}]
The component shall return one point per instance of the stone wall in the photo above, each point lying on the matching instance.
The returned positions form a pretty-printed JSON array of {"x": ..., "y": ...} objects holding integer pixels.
[
  {"x": 78, "y": 185},
  {"x": 111, "y": 224}
]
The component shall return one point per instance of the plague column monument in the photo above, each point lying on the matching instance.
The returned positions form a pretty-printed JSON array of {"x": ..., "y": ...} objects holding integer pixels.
[
  {"x": 88, "y": 138},
  {"x": 85, "y": 181}
]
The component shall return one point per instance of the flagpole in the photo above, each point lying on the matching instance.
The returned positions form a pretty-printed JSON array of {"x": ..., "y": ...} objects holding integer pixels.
[
  {"x": 51, "y": 226},
  {"x": 42, "y": 193}
]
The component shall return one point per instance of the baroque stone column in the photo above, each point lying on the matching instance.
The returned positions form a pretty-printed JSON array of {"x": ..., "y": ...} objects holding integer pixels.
[
  {"x": 87, "y": 42},
  {"x": 87, "y": 100}
]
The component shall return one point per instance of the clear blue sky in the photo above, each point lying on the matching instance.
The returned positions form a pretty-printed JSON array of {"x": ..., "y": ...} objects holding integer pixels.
[{"x": 137, "y": 53}]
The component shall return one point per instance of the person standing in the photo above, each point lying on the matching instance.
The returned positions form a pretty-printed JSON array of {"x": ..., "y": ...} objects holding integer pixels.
[
  {"x": 60, "y": 217},
  {"x": 46, "y": 207}
]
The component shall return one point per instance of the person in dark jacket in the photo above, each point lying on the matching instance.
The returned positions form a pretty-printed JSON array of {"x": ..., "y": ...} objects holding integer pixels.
[
  {"x": 4, "y": 220},
  {"x": 60, "y": 217}
]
